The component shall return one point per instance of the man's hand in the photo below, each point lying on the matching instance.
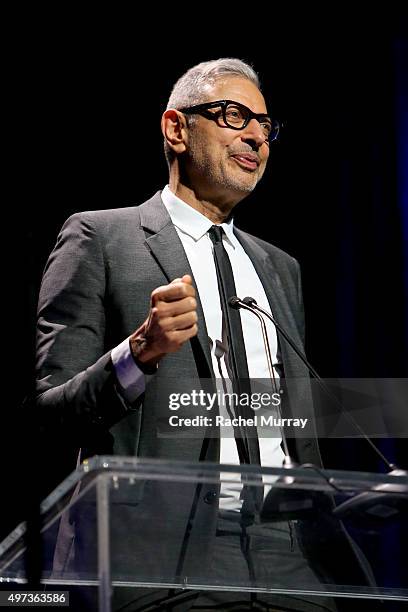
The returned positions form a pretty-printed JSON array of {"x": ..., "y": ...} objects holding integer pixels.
[{"x": 171, "y": 322}]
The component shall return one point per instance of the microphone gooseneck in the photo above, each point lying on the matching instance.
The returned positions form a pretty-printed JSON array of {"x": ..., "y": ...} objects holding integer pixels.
[
  {"x": 236, "y": 303},
  {"x": 389, "y": 493},
  {"x": 250, "y": 301}
]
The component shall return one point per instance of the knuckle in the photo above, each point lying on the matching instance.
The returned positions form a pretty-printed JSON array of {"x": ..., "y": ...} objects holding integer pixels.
[
  {"x": 156, "y": 292},
  {"x": 183, "y": 292},
  {"x": 160, "y": 324},
  {"x": 161, "y": 309}
]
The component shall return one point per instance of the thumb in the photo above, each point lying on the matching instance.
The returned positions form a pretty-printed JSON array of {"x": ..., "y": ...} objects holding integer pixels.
[{"x": 185, "y": 279}]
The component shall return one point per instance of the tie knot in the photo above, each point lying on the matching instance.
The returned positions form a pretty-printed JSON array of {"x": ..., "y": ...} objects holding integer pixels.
[{"x": 215, "y": 232}]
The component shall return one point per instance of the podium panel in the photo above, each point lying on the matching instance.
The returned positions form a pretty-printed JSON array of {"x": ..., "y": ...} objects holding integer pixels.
[{"x": 161, "y": 530}]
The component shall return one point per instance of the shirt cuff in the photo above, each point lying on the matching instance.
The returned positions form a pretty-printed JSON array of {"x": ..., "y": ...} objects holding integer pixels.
[{"x": 132, "y": 382}]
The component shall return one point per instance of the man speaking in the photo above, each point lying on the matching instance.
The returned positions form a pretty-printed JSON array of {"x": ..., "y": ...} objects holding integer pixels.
[{"x": 137, "y": 296}]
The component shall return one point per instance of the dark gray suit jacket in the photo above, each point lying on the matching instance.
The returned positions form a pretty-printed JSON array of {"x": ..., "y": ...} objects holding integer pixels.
[{"x": 96, "y": 291}]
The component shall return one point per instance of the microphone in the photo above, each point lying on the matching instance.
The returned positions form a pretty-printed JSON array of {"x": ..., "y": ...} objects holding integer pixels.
[
  {"x": 284, "y": 503},
  {"x": 379, "y": 493},
  {"x": 235, "y": 303},
  {"x": 251, "y": 301}
]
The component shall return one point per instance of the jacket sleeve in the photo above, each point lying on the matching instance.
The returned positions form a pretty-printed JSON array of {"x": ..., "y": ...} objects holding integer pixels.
[
  {"x": 301, "y": 314},
  {"x": 75, "y": 379}
]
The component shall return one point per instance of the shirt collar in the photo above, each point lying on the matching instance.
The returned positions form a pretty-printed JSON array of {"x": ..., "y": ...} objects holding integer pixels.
[{"x": 190, "y": 221}]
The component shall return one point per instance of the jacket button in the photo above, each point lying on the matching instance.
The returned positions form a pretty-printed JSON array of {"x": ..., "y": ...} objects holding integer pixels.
[{"x": 210, "y": 497}]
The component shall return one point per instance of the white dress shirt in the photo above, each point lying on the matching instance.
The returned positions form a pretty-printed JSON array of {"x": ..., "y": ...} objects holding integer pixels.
[{"x": 192, "y": 228}]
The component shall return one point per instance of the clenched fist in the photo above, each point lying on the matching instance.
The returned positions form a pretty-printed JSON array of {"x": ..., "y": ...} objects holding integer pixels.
[{"x": 172, "y": 320}]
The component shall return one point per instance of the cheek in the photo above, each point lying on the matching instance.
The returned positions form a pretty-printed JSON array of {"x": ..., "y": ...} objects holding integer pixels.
[{"x": 265, "y": 160}]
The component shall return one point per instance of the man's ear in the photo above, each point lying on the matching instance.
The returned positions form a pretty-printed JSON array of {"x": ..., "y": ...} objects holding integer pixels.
[{"x": 174, "y": 129}]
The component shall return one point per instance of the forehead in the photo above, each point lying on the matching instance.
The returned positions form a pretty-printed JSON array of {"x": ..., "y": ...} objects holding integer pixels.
[{"x": 240, "y": 90}]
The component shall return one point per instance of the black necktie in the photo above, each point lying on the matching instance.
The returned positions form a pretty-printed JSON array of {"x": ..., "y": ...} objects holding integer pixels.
[{"x": 246, "y": 437}]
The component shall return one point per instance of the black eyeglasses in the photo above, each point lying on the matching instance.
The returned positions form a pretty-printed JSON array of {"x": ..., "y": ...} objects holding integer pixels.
[{"x": 235, "y": 116}]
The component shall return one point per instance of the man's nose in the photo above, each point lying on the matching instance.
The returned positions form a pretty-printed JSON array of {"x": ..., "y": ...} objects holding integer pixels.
[{"x": 253, "y": 133}]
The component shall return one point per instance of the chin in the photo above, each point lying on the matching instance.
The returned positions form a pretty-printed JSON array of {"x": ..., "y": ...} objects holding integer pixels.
[
  {"x": 247, "y": 186},
  {"x": 240, "y": 185}
]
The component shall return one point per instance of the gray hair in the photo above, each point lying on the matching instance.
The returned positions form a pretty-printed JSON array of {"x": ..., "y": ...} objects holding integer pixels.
[{"x": 192, "y": 87}]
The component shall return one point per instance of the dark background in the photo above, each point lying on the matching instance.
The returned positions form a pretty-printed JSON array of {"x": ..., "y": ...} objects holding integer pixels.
[{"x": 86, "y": 100}]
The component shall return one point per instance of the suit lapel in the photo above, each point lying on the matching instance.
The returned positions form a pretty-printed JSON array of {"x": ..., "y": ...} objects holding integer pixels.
[
  {"x": 301, "y": 403},
  {"x": 168, "y": 251},
  {"x": 272, "y": 283}
]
